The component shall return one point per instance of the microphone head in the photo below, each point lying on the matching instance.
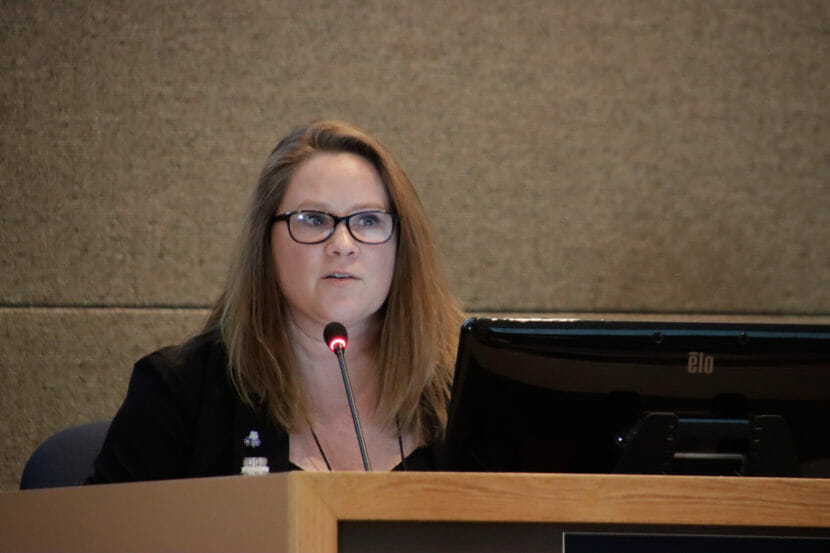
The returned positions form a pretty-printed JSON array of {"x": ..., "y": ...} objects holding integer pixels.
[{"x": 335, "y": 336}]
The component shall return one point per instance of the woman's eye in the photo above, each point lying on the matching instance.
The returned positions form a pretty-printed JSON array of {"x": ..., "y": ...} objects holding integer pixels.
[
  {"x": 368, "y": 220},
  {"x": 313, "y": 219}
]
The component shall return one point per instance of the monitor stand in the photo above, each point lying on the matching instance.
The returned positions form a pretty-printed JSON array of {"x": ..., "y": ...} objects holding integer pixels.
[{"x": 663, "y": 443}]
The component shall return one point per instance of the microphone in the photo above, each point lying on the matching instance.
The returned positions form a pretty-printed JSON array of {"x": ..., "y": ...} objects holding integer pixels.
[{"x": 336, "y": 338}]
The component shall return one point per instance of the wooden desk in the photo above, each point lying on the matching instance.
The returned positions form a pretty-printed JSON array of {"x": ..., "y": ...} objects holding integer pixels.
[{"x": 302, "y": 511}]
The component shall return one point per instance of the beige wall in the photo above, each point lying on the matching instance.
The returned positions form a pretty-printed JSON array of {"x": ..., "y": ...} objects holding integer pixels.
[{"x": 645, "y": 157}]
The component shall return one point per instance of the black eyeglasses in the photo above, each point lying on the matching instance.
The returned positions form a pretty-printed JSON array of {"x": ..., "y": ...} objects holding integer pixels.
[{"x": 312, "y": 227}]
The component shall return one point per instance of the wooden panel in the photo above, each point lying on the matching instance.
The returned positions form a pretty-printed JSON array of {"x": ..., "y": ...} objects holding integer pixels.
[
  {"x": 577, "y": 498},
  {"x": 300, "y": 511},
  {"x": 313, "y": 523},
  {"x": 223, "y": 514}
]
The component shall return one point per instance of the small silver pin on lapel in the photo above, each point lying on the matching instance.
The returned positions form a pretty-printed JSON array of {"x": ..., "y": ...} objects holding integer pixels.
[{"x": 252, "y": 439}]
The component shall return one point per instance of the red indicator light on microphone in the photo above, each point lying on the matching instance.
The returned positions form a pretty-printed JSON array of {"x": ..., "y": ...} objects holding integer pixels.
[
  {"x": 335, "y": 336},
  {"x": 337, "y": 342}
]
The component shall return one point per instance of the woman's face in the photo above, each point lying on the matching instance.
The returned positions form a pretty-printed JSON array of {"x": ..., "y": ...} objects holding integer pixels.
[{"x": 339, "y": 279}]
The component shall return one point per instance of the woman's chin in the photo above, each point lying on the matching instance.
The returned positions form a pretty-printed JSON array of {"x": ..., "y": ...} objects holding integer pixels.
[
  {"x": 356, "y": 318},
  {"x": 350, "y": 318}
]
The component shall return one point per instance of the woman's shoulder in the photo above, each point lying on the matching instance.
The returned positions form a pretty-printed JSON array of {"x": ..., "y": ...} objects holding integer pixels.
[
  {"x": 177, "y": 417},
  {"x": 194, "y": 367},
  {"x": 198, "y": 353}
]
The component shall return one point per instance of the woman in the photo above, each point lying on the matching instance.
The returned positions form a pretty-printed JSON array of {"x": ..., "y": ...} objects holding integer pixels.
[{"x": 335, "y": 232}]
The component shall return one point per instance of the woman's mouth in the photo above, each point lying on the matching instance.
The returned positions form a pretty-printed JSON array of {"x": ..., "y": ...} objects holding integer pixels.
[{"x": 339, "y": 276}]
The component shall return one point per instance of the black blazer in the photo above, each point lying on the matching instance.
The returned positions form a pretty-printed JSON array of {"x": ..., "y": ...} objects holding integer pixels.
[{"x": 182, "y": 418}]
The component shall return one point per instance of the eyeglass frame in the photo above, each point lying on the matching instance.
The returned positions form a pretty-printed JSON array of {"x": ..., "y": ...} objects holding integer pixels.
[{"x": 337, "y": 219}]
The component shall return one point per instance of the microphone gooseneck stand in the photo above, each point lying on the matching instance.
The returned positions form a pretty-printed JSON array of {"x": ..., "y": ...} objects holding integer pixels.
[{"x": 336, "y": 337}]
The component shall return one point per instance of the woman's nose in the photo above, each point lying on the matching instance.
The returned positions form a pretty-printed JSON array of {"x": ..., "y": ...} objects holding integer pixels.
[{"x": 341, "y": 242}]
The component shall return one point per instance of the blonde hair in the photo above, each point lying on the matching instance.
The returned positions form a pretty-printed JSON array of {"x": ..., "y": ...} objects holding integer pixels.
[{"x": 421, "y": 319}]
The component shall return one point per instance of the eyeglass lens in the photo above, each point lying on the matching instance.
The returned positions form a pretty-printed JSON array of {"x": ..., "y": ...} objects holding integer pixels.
[{"x": 370, "y": 227}]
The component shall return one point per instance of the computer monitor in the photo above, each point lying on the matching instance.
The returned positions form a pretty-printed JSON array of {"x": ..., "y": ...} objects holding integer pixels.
[{"x": 549, "y": 395}]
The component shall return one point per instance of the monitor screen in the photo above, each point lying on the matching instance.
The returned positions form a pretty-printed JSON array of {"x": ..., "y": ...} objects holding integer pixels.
[{"x": 545, "y": 395}]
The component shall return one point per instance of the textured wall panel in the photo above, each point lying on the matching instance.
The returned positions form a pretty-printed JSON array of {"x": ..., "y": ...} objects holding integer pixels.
[
  {"x": 633, "y": 155},
  {"x": 61, "y": 367}
]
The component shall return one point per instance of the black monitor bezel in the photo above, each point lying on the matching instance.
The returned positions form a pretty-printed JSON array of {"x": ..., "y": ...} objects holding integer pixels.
[{"x": 747, "y": 357}]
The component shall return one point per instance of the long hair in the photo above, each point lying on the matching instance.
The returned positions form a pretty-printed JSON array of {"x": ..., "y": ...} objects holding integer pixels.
[{"x": 421, "y": 319}]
